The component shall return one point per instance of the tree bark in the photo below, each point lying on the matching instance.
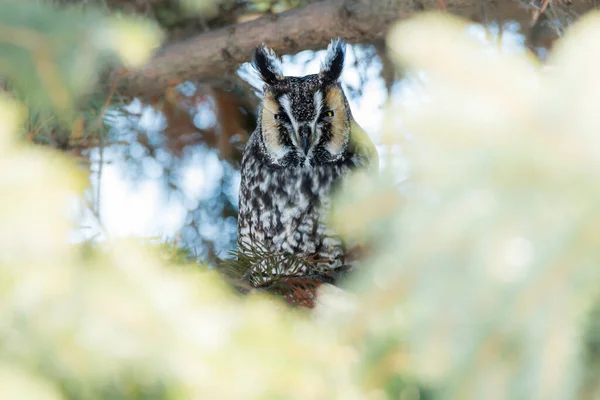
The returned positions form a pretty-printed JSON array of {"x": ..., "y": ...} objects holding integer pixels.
[{"x": 213, "y": 57}]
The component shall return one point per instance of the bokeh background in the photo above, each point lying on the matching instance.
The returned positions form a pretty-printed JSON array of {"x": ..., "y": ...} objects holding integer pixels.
[{"x": 121, "y": 130}]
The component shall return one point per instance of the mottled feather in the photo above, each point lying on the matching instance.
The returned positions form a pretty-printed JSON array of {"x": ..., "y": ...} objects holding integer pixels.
[{"x": 305, "y": 143}]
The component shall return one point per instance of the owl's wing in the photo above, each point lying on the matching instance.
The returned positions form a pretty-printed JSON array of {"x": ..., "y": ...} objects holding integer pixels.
[{"x": 360, "y": 143}]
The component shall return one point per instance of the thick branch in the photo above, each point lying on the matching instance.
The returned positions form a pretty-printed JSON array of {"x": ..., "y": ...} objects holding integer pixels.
[{"x": 214, "y": 56}]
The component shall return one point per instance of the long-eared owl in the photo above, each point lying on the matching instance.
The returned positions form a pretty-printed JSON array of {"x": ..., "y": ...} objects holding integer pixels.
[{"x": 305, "y": 142}]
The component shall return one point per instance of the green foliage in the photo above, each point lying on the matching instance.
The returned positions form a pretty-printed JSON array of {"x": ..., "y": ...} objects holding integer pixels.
[
  {"x": 488, "y": 270},
  {"x": 52, "y": 56},
  {"x": 293, "y": 278},
  {"x": 256, "y": 264},
  {"x": 204, "y": 8},
  {"x": 275, "y": 5},
  {"x": 44, "y": 53},
  {"x": 173, "y": 254},
  {"x": 484, "y": 285}
]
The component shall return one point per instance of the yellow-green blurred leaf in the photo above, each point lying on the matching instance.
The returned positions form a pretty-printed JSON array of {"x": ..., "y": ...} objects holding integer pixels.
[{"x": 52, "y": 55}]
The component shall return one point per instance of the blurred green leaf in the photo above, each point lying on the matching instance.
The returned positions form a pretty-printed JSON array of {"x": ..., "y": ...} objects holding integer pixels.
[
  {"x": 203, "y": 8},
  {"x": 52, "y": 55}
]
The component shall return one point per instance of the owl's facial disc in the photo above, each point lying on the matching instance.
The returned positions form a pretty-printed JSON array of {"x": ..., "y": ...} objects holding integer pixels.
[
  {"x": 301, "y": 110},
  {"x": 304, "y": 117},
  {"x": 308, "y": 120}
]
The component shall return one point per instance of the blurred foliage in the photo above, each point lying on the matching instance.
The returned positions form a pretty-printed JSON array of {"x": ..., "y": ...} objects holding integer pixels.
[
  {"x": 294, "y": 278},
  {"x": 117, "y": 322},
  {"x": 53, "y": 55},
  {"x": 484, "y": 283},
  {"x": 201, "y": 7}
]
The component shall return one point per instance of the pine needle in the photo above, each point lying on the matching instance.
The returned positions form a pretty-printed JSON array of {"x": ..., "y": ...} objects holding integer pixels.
[{"x": 293, "y": 277}]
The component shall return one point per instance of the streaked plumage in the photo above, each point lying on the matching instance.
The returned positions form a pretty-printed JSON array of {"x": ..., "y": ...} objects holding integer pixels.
[{"x": 305, "y": 142}]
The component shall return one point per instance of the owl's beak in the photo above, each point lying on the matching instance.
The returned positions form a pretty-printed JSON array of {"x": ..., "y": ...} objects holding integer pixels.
[
  {"x": 305, "y": 144},
  {"x": 305, "y": 138}
]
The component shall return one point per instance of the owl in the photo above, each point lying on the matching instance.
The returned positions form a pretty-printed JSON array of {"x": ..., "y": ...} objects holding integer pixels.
[{"x": 305, "y": 143}]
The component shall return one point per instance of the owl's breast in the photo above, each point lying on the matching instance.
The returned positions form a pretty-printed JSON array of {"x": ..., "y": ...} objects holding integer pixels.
[{"x": 285, "y": 209}]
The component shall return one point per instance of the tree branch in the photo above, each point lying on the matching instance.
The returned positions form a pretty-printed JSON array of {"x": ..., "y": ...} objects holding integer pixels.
[{"x": 213, "y": 57}]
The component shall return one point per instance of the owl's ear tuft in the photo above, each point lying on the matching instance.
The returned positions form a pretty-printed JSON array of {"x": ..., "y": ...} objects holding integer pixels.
[
  {"x": 267, "y": 64},
  {"x": 332, "y": 67}
]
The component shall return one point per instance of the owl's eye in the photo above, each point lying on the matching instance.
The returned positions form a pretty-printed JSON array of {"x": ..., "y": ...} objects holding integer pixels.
[
  {"x": 280, "y": 117},
  {"x": 327, "y": 114}
]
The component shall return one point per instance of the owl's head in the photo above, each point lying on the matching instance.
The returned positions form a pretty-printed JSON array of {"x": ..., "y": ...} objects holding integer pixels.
[{"x": 303, "y": 118}]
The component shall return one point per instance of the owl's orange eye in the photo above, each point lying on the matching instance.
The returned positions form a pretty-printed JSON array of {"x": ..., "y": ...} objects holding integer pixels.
[
  {"x": 329, "y": 113},
  {"x": 277, "y": 116}
]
